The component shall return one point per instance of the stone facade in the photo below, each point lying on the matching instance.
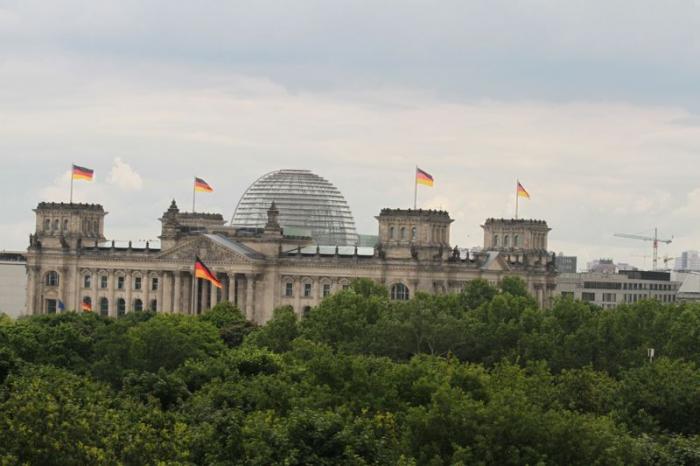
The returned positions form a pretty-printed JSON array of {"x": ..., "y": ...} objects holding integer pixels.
[{"x": 69, "y": 262}]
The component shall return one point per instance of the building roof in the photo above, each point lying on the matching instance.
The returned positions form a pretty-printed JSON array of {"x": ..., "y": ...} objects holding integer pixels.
[{"x": 305, "y": 201}]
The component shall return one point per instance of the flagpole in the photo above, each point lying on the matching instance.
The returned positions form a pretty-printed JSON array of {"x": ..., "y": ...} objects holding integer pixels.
[
  {"x": 517, "y": 182},
  {"x": 415, "y": 189},
  {"x": 71, "y": 183},
  {"x": 194, "y": 192}
]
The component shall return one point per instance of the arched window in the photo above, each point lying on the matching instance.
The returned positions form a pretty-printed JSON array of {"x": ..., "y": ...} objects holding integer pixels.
[
  {"x": 87, "y": 304},
  {"x": 305, "y": 311},
  {"x": 391, "y": 232},
  {"x": 52, "y": 278},
  {"x": 506, "y": 241},
  {"x": 413, "y": 233},
  {"x": 121, "y": 307},
  {"x": 138, "y": 305},
  {"x": 495, "y": 241},
  {"x": 87, "y": 280},
  {"x": 403, "y": 232},
  {"x": 516, "y": 241},
  {"x": 55, "y": 224},
  {"x": 104, "y": 307},
  {"x": 47, "y": 224},
  {"x": 65, "y": 224},
  {"x": 399, "y": 291},
  {"x": 154, "y": 305}
]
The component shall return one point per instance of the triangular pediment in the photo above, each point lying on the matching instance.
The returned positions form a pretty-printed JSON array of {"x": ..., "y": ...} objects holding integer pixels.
[
  {"x": 496, "y": 263},
  {"x": 211, "y": 251}
]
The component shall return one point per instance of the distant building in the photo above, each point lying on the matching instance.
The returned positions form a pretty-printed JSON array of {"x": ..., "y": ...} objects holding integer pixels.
[
  {"x": 611, "y": 289},
  {"x": 566, "y": 264},
  {"x": 602, "y": 266},
  {"x": 265, "y": 264},
  {"x": 13, "y": 283},
  {"x": 688, "y": 261},
  {"x": 690, "y": 285}
]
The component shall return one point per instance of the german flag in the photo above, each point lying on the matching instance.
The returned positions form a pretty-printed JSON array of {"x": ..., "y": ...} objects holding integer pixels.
[
  {"x": 202, "y": 271},
  {"x": 82, "y": 173},
  {"x": 522, "y": 192},
  {"x": 86, "y": 306},
  {"x": 423, "y": 177},
  {"x": 202, "y": 186}
]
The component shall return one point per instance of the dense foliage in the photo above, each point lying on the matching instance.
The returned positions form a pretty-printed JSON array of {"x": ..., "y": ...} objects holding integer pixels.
[{"x": 481, "y": 377}]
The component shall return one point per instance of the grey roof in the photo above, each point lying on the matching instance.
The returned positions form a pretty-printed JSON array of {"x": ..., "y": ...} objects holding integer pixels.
[
  {"x": 235, "y": 246},
  {"x": 330, "y": 251},
  {"x": 305, "y": 201}
]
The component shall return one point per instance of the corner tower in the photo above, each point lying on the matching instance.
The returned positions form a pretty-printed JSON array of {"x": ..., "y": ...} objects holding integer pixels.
[
  {"x": 63, "y": 225},
  {"x": 515, "y": 234},
  {"x": 421, "y": 234}
]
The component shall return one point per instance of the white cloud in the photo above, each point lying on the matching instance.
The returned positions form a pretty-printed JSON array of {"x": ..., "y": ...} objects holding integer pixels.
[{"x": 124, "y": 177}]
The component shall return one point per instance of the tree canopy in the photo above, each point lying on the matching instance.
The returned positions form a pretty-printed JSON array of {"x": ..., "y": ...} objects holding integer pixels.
[{"x": 481, "y": 377}]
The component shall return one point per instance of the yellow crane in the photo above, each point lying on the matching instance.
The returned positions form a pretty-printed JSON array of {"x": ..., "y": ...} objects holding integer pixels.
[{"x": 654, "y": 239}]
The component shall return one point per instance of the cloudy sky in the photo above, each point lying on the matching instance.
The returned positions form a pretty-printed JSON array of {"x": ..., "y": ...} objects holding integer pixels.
[{"x": 593, "y": 105}]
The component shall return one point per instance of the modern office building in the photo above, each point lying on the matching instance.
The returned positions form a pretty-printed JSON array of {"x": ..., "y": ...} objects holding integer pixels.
[
  {"x": 688, "y": 261},
  {"x": 611, "y": 289}
]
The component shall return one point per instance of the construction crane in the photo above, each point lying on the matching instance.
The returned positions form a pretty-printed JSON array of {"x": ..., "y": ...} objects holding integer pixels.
[{"x": 655, "y": 242}]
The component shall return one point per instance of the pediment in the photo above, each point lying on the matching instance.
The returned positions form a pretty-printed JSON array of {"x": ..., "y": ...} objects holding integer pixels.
[
  {"x": 496, "y": 264},
  {"x": 207, "y": 250}
]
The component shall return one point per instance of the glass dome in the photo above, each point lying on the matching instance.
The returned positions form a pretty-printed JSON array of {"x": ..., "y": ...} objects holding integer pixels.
[{"x": 308, "y": 205}]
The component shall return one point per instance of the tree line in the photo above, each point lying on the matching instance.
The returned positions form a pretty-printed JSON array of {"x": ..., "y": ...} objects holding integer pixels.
[{"x": 482, "y": 377}]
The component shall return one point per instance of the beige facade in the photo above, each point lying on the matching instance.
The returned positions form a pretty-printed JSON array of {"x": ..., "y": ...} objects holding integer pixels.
[{"x": 69, "y": 262}]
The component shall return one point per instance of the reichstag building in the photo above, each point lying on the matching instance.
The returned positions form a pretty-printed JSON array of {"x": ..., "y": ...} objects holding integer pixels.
[{"x": 291, "y": 241}]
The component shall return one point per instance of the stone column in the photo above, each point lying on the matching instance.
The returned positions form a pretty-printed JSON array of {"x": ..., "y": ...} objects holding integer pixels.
[
  {"x": 167, "y": 291},
  {"x": 31, "y": 290},
  {"x": 63, "y": 291},
  {"x": 298, "y": 290},
  {"x": 214, "y": 295},
  {"x": 232, "y": 288},
  {"x": 161, "y": 280},
  {"x": 128, "y": 285},
  {"x": 177, "y": 293},
  {"x": 250, "y": 297},
  {"x": 95, "y": 277},
  {"x": 186, "y": 288},
  {"x": 203, "y": 294},
  {"x": 146, "y": 284},
  {"x": 112, "y": 303}
]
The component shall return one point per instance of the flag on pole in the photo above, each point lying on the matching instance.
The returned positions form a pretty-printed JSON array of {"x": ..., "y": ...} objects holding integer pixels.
[
  {"x": 203, "y": 272},
  {"x": 423, "y": 177},
  {"x": 82, "y": 173},
  {"x": 61, "y": 306},
  {"x": 522, "y": 192},
  {"x": 86, "y": 306},
  {"x": 202, "y": 186}
]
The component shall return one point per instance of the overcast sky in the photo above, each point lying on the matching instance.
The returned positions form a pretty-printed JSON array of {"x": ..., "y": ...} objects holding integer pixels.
[{"x": 593, "y": 105}]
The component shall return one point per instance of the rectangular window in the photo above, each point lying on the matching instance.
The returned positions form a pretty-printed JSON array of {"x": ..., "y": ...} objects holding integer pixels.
[
  {"x": 120, "y": 283},
  {"x": 588, "y": 297},
  {"x": 137, "y": 283},
  {"x": 51, "y": 306},
  {"x": 567, "y": 294},
  {"x": 103, "y": 281},
  {"x": 307, "y": 290},
  {"x": 154, "y": 283},
  {"x": 87, "y": 281},
  {"x": 326, "y": 289},
  {"x": 289, "y": 289}
]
